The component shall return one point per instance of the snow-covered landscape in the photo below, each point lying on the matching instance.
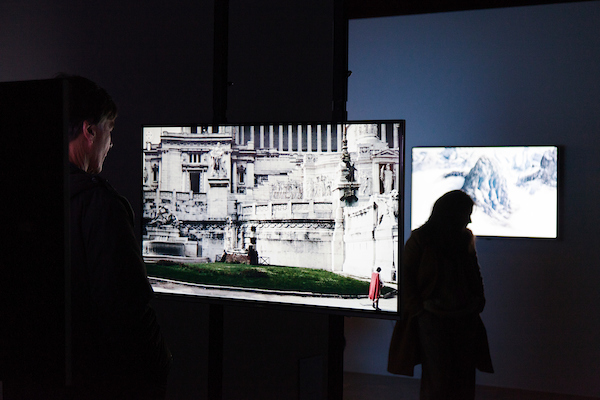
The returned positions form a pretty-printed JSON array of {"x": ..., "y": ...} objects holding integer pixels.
[{"x": 514, "y": 187}]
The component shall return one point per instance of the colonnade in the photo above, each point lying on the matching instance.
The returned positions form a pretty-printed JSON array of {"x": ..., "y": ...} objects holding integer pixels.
[{"x": 303, "y": 137}]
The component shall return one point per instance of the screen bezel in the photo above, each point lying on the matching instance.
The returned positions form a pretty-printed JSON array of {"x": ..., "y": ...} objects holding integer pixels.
[
  {"x": 316, "y": 307},
  {"x": 559, "y": 183}
]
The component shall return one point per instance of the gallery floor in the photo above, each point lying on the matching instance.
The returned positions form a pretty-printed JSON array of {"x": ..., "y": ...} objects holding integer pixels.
[{"x": 366, "y": 387}]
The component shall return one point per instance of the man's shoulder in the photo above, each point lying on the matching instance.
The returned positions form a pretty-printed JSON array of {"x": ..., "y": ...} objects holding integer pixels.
[
  {"x": 93, "y": 192},
  {"x": 81, "y": 183}
]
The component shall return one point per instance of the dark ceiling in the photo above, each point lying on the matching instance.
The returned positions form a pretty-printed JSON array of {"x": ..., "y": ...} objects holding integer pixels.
[{"x": 382, "y": 8}]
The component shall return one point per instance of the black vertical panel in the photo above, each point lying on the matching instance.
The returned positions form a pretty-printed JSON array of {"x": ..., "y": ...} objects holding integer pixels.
[
  {"x": 33, "y": 361},
  {"x": 215, "y": 352},
  {"x": 340, "y": 62},
  {"x": 221, "y": 55},
  {"x": 280, "y": 60},
  {"x": 335, "y": 365}
]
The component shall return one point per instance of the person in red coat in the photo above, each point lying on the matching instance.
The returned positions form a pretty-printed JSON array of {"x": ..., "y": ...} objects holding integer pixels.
[
  {"x": 375, "y": 288},
  {"x": 443, "y": 296}
]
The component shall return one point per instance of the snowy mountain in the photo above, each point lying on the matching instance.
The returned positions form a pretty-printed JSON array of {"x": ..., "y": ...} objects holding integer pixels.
[
  {"x": 488, "y": 188},
  {"x": 514, "y": 187},
  {"x": 546, "y": 172}
]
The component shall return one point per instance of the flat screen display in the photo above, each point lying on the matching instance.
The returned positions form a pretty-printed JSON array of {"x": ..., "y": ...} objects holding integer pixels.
[
  {"x": 515, "y": 188},
  {"x": 297, "y": 213}
]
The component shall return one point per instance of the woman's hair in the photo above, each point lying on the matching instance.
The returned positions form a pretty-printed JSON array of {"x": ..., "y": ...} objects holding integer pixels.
[
  {"x": 448, "y": 209},
  {"x": 445, "y": 227},
  {"x": 86, "y": 102}
]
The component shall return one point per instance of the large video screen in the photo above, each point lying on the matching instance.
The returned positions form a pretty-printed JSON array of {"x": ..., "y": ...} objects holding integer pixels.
[
  {"x": 515, "y": 188},
  {"x": 297, "y": 213}
]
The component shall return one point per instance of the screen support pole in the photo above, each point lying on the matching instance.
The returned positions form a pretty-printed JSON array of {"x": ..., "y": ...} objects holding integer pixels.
[
  {"x": 215, "y": 352},
  {"x": 336, "y": 339},
  {"x": 335, "y": 363},
  {"x": 340, "y": 62},
  {"x": 220, "y": 86},
  {"x": 220, "y": 61}
]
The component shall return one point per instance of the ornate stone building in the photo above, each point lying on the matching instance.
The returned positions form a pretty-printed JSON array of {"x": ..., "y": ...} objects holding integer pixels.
[{"x": 311, "y": 195}]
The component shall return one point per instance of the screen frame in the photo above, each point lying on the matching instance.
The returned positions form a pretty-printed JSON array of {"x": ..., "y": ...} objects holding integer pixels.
[
  {"x": 385, "y": 314},
  {"x": 560, "y": 170}
]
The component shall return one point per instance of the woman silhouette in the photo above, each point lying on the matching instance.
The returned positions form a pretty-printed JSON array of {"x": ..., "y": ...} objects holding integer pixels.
[{"x": 443, "y": 296}]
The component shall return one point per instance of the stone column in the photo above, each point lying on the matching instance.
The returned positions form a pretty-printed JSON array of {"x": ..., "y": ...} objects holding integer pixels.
[
  {"x": 280, "y": 140},
  {"x": 234, "y": 177},
  {"x": 251, "y": 144},
  {"x": 185, "y": 181},
  {"x": 271, "y": 138},
  {"x": 171, "y": 170},
  {"x": 249, "y": 178},
  {"x": 290, "y": 138},
  {"x": 329, "y": 138},
  {"x": 396, "y": 136},
  {"x": 262, "y": 137},
  {"x": 337, "y": 241},
  {"x": 319, "y": 146},
  {"x": 299, "y": 138}
]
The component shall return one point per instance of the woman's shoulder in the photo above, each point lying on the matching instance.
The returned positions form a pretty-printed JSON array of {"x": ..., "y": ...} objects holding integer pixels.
[
  {"x": 419, "y": 238},
  {"x": 422, "y": 233}
]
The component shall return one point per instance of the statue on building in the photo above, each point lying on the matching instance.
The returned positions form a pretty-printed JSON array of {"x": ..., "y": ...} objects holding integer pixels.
[
  {"x": 387, "y": 178},
  {"x": 230, "y": 235},
  {"x": 365, "y": 187},
  {"x": 348, "y": 172},
  {"x": 351, "y": 171},
  {"x": 217, "y": 162},
  {"x": 163, "y": 217},
  {"x": 155, "y": 172},
  {"x": 241, "y": 171}
]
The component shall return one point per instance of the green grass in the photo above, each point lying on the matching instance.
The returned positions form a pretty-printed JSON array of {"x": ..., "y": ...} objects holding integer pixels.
[{"x": 263, "y": 277}]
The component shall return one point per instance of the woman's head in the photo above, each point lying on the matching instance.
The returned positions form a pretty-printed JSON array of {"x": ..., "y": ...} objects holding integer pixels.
[{"x": 452, "y": 210}]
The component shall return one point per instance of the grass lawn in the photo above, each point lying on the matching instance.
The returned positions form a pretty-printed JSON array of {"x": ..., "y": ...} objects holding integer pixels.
[{"x": 263, "y": 277}]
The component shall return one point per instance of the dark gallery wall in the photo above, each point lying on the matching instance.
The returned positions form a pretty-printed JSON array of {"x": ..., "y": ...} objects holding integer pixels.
[
  {"x": 515, "y": 76},
  {"x": 506, "y": 76},
  {"x": 280, "y": 60},
  {"x": 156, "y": 60}
]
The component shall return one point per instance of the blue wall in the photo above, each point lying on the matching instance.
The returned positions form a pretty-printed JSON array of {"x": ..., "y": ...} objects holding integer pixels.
[{"x": 526, "y": 76}]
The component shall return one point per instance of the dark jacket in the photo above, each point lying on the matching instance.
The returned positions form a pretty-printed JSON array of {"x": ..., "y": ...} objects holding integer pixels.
[
  {"x": 115, "y": 331},
  {"x": 422, "y": 289}
]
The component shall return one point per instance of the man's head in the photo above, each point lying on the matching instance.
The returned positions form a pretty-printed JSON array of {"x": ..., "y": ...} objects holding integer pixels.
[{"x": 92, "y": 115}]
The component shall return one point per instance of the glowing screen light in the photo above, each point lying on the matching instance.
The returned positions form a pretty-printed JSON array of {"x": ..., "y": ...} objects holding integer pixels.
[{"x": 515, "y": 188}]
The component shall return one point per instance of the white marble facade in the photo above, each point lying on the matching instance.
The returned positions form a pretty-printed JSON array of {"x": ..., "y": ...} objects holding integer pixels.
[{"x": 277, "y": 188}]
